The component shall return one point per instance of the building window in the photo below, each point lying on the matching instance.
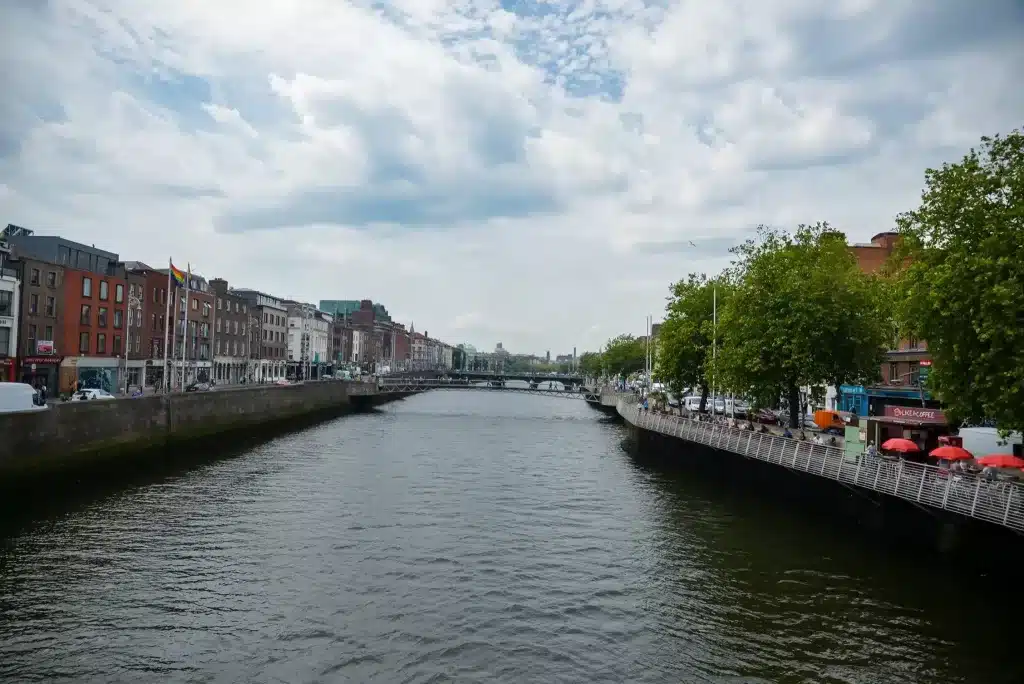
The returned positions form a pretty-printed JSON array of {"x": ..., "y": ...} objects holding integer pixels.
[
  {"x": 206, "y": 309},
  {"x": 220, "y": 303},
  {"x": 104, "y": 289},
  {"x": 31, "y": 339},
  {"x": 83, "y": 343},
  {"x": 86, "y": 317},
  {"x": 49, "y": 333},
  {"x": 33, "y": 304},
  {"x": 894, "y": 373},
  {"x": 138, "y": 343},
  {"x": 195, "y": 305},
  {"x": 156, "y": 297},
  {"x": 101, "y": 343},
  {"x": 116, "y": 349},
  {"x": 51, "y": 279},
  {"x": 218, "y": 325},
  {"x": 154, "y": 348},
  {"x": 101, "y": 317},
  {"x": 915, "y": 373},
  {"x": 118, "y": 318},
  {"x": 6, "y": 303},
  {"x": 118, "y": 293},
  {"x": 34, "y": 279},
  {"x": 87, "y": 287},
  {"x": 51, "y": 306}
]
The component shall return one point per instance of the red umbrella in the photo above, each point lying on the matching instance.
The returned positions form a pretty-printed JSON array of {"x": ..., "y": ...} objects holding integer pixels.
[
  {"x": 1001, "y": 461},
  {"x": 904, "y": 446},
  {"x": 951, "y": 453}
]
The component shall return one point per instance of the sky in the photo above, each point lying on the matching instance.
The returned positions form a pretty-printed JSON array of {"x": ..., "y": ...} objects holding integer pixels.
[{"x": 535, "y": 173}]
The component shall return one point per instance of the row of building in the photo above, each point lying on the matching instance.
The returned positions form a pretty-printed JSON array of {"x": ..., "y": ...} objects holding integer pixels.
[{"x": 75, "y": 315}]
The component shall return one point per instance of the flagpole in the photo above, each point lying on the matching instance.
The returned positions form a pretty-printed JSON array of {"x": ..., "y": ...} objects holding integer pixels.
[
  {"x": 166, "y": 379},
  {"x": 184, "y": 325}
]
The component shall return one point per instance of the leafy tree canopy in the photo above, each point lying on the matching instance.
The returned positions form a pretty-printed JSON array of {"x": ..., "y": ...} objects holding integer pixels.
[
  {"x": 623, "y": 355},
  {"x": 590, "y": 364},
  {"x": 684, "y": 343},
  {"x": 802, "y": 313},
  {"x": 962, "y": 287}
]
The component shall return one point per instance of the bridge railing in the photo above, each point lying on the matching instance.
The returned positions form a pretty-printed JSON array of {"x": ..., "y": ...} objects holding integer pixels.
[{"x": 970, "y": 495}]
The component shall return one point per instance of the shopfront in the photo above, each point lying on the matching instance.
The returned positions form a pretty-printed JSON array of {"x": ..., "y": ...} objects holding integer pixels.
[
  {"x": 7, "y": 368},
  {"x": 41, "y": 370},
  {"x": 923, "y": 426},
  {"x": 98, "y": 372}
]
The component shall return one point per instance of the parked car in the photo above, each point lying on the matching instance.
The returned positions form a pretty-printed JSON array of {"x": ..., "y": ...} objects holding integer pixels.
[
  {"x": 92, "y": 394},
  {"x": 198, "y": 387}
]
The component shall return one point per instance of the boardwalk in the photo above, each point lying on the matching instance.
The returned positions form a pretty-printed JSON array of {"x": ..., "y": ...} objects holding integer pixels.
[{"x": 927, "y": 486}]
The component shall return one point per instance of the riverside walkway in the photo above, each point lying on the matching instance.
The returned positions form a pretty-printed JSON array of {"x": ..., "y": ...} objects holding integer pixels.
[{"x": 926, "y": 486}]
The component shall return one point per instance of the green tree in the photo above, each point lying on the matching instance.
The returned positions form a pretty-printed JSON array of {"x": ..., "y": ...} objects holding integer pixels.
[
  {"x": 962, "y": 284},
  {"x": 802, "y": 313},
  {"x": 685, "y": 339},
  {"x": 623, "y": 355},
  {"x": 590, "y": 364}
]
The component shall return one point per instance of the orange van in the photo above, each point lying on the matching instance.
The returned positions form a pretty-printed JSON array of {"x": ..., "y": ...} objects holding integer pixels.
[{"x": 829, "y": 420}]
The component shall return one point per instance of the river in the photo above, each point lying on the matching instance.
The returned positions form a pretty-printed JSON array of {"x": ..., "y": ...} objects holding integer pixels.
[{"x": 474, "y": 537}]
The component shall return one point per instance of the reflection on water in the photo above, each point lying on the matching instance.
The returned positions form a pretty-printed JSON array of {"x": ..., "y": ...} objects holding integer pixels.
[{"x": 474, "y": 537}]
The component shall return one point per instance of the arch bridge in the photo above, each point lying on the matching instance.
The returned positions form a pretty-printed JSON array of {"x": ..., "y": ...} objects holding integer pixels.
[{"x": 409, "y": 386}]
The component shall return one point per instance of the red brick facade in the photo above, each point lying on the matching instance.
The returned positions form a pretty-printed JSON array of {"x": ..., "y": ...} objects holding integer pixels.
[{"x": 94, "y": 321}]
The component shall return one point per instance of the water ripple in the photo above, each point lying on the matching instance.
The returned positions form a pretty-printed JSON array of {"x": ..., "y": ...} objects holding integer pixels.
[{"x": 478, "y": 538}]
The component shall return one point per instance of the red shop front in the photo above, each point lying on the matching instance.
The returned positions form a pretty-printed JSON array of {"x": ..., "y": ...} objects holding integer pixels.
[
  {"x": 7, "y": 365},
  {"x": 41, "y": 370},
  {"x": 922, "y": 425}
]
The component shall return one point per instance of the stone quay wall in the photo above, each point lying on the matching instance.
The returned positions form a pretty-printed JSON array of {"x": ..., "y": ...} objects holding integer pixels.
[{"x": 77, "y": 433}]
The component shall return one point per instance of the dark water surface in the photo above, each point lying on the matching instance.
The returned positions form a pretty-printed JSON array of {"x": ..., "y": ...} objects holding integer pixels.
[{"x": 476, "y": 538}]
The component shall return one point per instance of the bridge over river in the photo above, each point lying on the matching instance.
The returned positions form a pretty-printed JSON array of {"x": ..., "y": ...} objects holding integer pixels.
[{"x": 545, "y": 387}]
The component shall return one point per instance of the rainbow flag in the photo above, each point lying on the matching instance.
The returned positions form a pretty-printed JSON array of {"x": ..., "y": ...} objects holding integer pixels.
[{"x": 179, "y": 275}]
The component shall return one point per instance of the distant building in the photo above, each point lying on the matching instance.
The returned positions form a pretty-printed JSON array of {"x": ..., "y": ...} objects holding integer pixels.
[
  {"x": 10, "y": 295},
  {"x": 269, "y": 334},
  {"x": 231, "y": 337}
]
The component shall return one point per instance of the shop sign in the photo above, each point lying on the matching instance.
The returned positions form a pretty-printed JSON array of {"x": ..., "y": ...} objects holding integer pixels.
[
  {"x": 923, "y": 415},
  {"x": 45, "y": 347},
  {"x": 852, "y": 389},
  {"x": 48, "y": 360},
  {"x": 6, "y": 322}
]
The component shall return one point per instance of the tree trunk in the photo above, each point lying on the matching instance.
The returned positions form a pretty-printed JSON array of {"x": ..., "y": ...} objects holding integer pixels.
[
  {"x": 793, "y": 393},
  {"x": 838, "y": 397},
  {"x": 704, "y": 391}
]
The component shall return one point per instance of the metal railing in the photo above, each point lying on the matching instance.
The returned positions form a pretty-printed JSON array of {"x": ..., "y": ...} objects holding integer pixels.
[{"x": 999, "y": 502}]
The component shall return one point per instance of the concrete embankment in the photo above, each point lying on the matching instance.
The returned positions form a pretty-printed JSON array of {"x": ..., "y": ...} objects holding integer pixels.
[
  {"x": 900, "y": 525},
  {"x": 78, "y": 437}
]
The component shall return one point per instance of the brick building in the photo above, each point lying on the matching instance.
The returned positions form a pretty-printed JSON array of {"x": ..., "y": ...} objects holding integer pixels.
[
  {"x": 41, "y": 309},
  {"x": 230, "y": 335},
  {"x": 269, "y": 327},
  {"x": 192, "y": 334},
  {"x": 149, "y": 327},
  {"x": 94, "y": 329},
  {"x": 66, "y": 270},
  {"x": 905, "y": 370}
]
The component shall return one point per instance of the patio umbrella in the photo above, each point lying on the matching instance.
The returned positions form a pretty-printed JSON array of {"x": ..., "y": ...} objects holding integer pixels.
[
  {"x": 904, "y": 446},
  {"x": 951, "y": 453},
  {"x": 1001, "y": 461}
]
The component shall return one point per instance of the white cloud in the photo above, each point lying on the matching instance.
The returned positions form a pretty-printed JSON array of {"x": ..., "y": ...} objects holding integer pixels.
[{"x": 535, "y": 175}]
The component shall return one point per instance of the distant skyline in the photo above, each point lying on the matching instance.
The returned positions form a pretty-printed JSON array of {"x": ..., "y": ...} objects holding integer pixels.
[{"x": 534, "y": 173}]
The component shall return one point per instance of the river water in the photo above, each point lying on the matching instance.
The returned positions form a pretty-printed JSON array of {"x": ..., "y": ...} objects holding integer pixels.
[{"x": 475, "y": 537}]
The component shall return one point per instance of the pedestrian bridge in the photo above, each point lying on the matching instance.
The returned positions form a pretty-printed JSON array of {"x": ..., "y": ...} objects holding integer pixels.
[
  {"x": 926, "y": 486},
  {"x": 411, "y": 386}
]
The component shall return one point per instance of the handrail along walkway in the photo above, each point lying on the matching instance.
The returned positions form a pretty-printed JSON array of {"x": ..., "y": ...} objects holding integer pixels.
[{"x": 970, "y": 495}]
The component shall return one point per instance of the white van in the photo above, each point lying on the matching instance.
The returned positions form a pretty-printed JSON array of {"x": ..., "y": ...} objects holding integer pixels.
[
  {"x": 693, "y": 403},
  {"x": 18, "y": 396}
]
